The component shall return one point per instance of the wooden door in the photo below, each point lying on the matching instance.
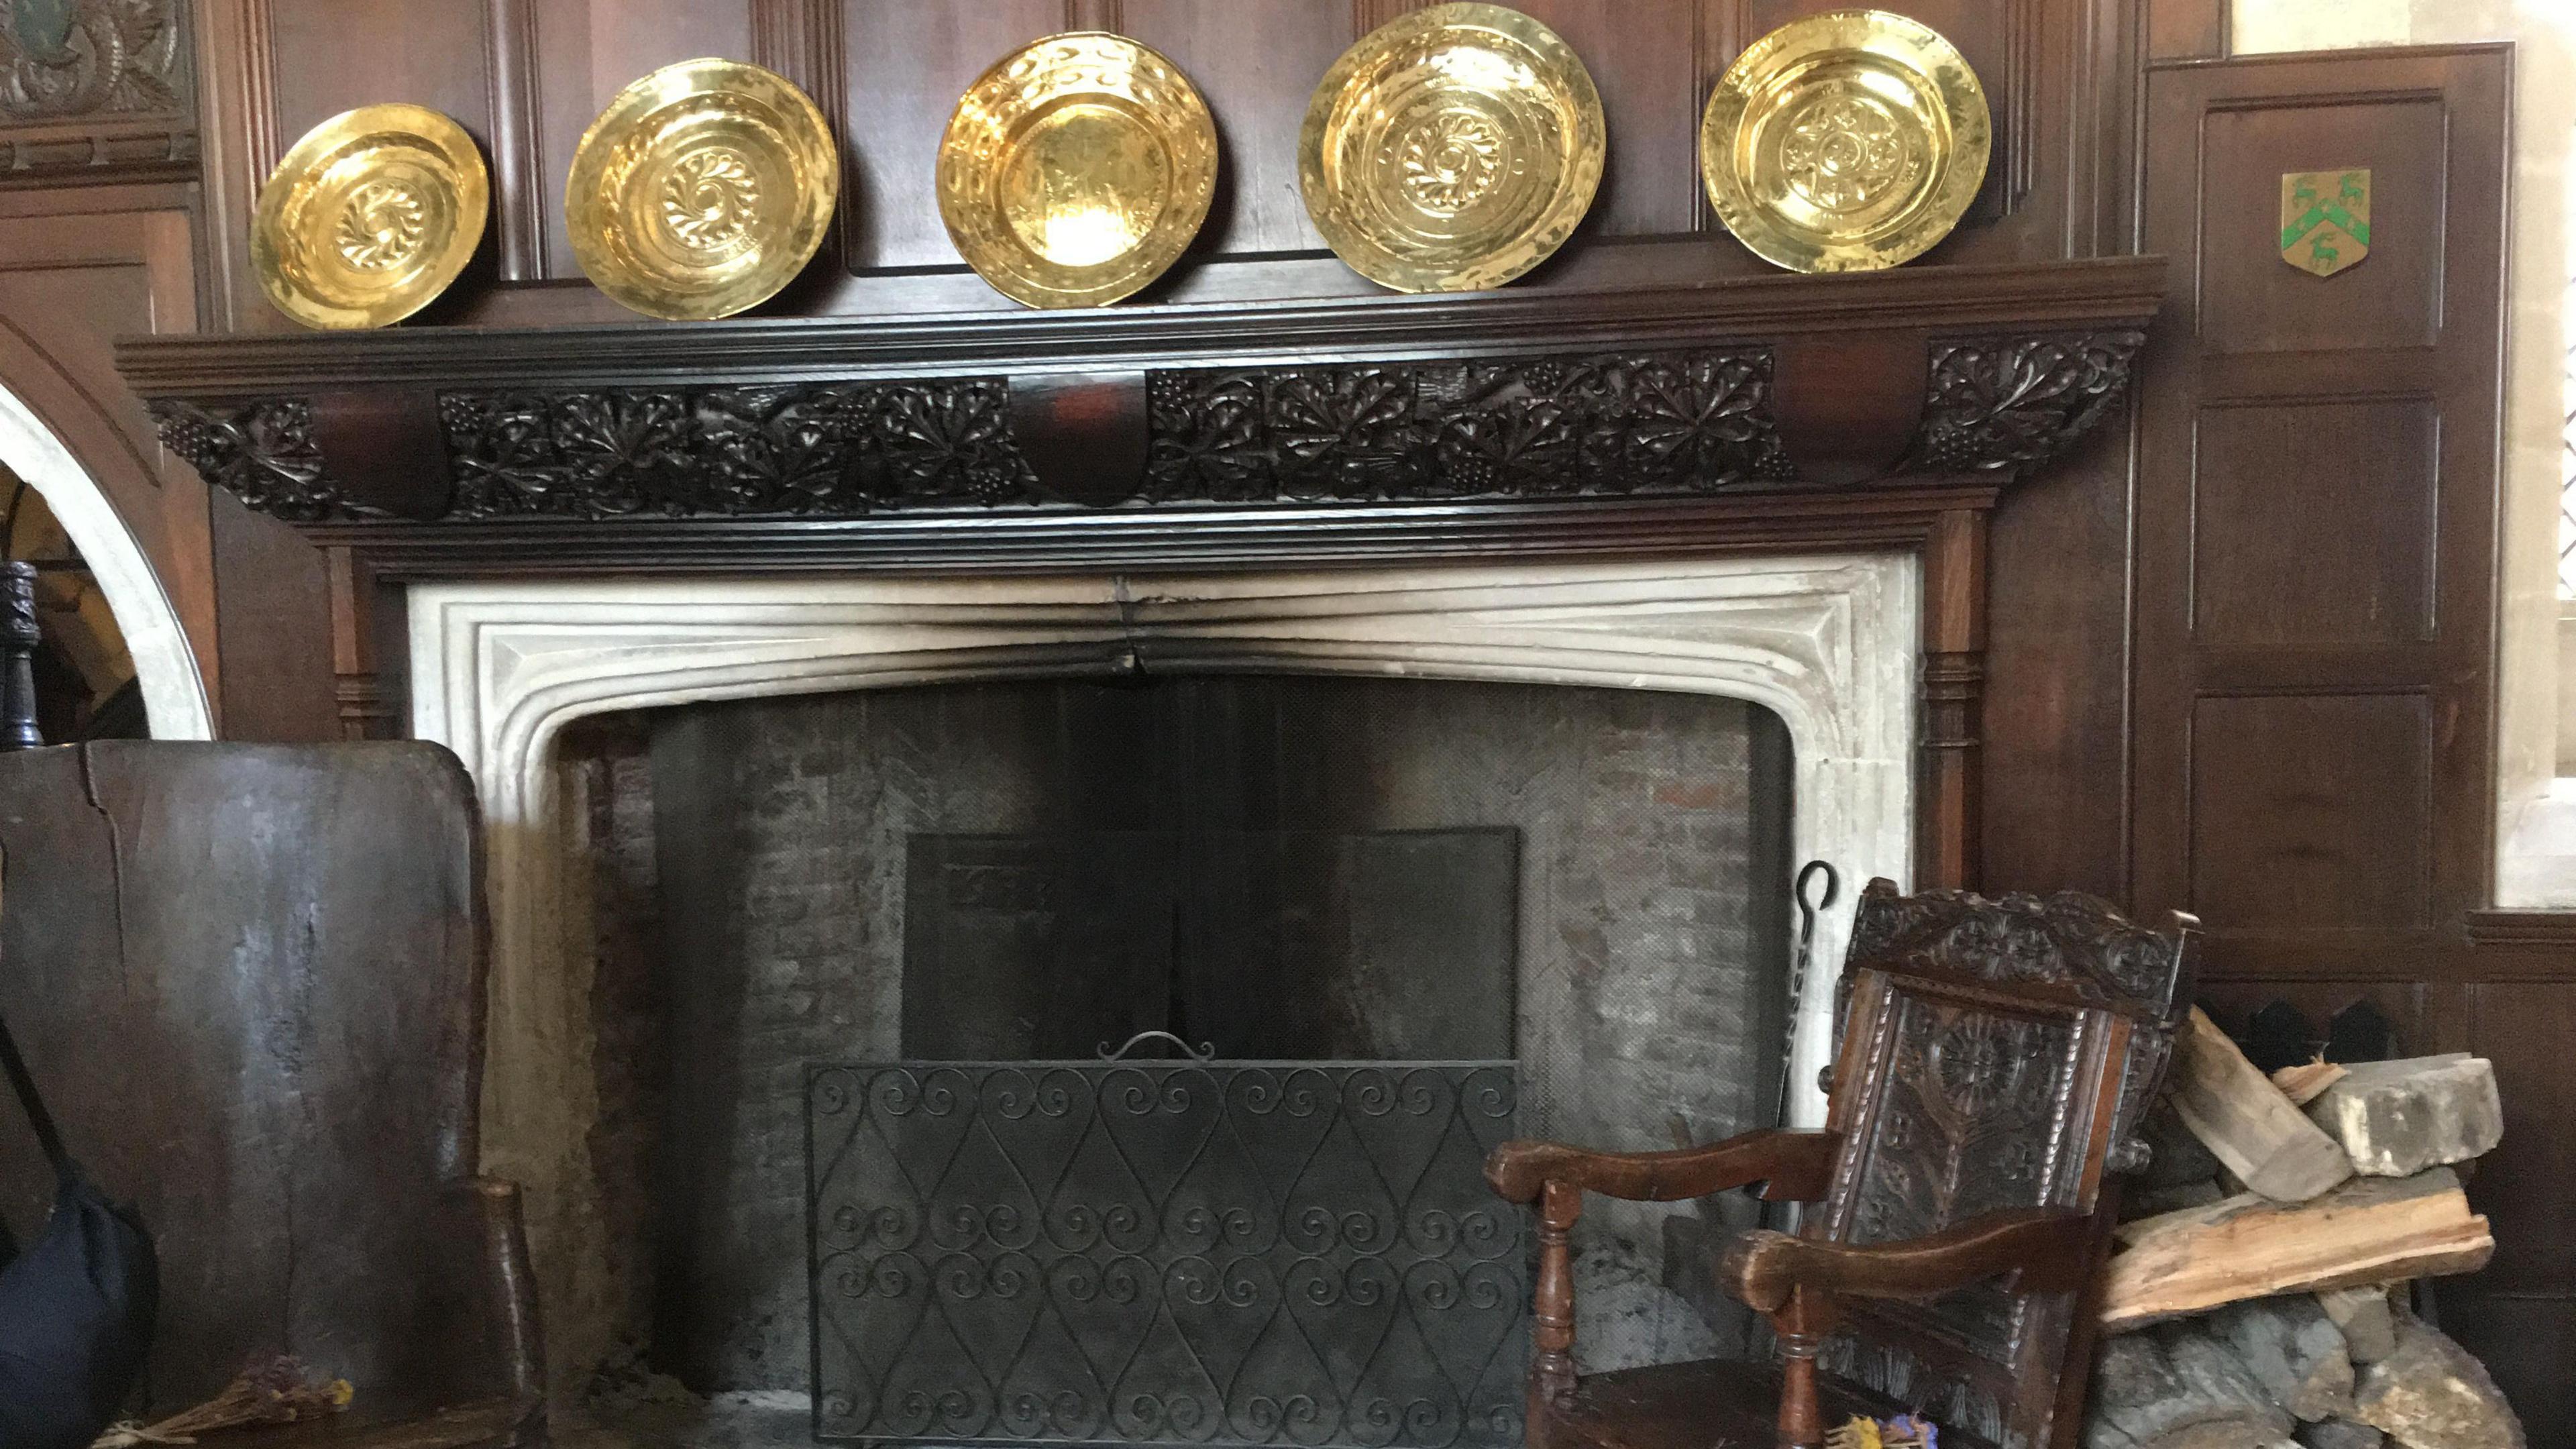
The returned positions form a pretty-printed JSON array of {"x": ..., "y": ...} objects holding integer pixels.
[{"x": 2315, "y": 601}]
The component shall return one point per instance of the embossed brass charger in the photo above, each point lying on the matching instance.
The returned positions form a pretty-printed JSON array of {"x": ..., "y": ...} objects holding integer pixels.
[
  {"x": 702, "y": 189},
  {"x": 1844, "y": 142},
  {"x": 1076, "y": 170},
  {"x": 1451, "y": 148},
  {"x": 369, "y": 217}
]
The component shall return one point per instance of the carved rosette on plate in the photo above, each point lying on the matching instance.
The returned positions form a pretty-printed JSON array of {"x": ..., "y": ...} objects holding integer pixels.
[
  {"x": 702, "y": 189},
  {"x": 369, "y": 217},
  {"x": 1452, "y": 148},
  {"x": 1844, "y": 142},
  {"x": 1076, "y": 170}
]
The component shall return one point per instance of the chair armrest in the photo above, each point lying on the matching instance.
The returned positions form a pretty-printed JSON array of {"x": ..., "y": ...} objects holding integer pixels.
[
  {"x": 1792, "y": 1166},
  {"x": 2046, "y": 1247}
]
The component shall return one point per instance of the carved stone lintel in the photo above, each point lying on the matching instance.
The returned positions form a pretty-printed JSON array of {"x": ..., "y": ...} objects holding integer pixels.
[{"x": 2014, "y": 404}]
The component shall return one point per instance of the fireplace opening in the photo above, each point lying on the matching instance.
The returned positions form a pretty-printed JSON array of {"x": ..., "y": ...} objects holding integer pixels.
[{"x": 1583, "y": 890}]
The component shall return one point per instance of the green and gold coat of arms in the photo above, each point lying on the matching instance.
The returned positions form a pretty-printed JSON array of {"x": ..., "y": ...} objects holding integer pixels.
[{"x": 2325, "y": 219}]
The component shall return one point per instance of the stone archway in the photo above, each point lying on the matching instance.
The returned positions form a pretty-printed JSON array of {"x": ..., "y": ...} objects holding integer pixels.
[{"x": 174, "y": 694}]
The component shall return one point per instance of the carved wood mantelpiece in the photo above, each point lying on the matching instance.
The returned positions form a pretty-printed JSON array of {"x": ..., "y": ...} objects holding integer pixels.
[
  {"x": 1673, "y": 392},
  {"x": 1790, "y": 415}
]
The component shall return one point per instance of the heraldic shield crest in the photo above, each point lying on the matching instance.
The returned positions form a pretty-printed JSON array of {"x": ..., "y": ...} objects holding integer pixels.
[{"x": 2325, "y": 219}]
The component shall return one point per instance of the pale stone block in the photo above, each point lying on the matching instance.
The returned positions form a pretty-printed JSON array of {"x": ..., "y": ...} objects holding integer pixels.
[{"x": 2397, "y": 1118}]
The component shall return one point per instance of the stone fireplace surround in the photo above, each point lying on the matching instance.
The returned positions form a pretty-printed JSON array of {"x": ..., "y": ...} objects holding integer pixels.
[{"x": 1828, "y": 643}]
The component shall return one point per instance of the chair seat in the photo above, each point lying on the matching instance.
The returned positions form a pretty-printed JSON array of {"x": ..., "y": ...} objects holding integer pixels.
[{"x": 1706, "y": 1404}]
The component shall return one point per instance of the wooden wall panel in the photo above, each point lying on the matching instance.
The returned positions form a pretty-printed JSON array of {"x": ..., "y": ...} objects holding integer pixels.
[
  {"x": 2055, "y": 724},
  {"x": 589, "y": 50},
  {"x": 1653, "y": 66},
  {"x": 2392, "y": 299},
  {"x": 1256, "y": 62},
  {"x": 527, "y": 76},
  {"x": 330, "y": 55},
  {"x": 908, "y": 62},
  {"x": 273, "y": 614},
  {"x": 70, "y": 283},
  {"x": 2334, "y": 549},
  {"x": 2310, "y": 810},
  {"x": 2315, "y": 584}
]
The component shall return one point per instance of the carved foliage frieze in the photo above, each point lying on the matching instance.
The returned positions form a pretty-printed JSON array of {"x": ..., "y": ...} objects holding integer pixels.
[
  {"x": 261, "y": 452},
  {"x": 1608, "y": 424},
  {"x": 1689, "y": 422},
  {"x": 828, "y": 449},
  {"x": 2012, "y": 404}
]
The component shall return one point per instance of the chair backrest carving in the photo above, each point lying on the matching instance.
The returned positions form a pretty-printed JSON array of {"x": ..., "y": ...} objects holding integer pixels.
[{"x": 1994, "y": 1054}]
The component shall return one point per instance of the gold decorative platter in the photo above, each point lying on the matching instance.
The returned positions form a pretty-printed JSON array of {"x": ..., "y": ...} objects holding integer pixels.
[
  {"x": 1847, "y": 141},
  {"x": 1076, "y": 170},
  {"x": 369, "y": 217},
  {"x": 1452, "y": 148},
  {"x": 702, "y": 189}
]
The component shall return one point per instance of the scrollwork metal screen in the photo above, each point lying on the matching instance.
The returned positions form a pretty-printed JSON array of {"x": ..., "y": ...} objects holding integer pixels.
[{"x": 1165, "y": 1253}]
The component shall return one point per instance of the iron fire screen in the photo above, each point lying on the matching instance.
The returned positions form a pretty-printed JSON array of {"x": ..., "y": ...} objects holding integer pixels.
[{"x": 1209, "y": 1253}]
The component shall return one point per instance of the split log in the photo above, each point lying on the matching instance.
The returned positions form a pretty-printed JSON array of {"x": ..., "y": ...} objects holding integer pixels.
[
  {"x": 2431, "y": 1394},
  {"x": 2369, "y": 1231},
  {"x": 2302, "y": 1083},
  {"x": 2397, "y": 1118},
  {"x": 2246, "y": 1122}
]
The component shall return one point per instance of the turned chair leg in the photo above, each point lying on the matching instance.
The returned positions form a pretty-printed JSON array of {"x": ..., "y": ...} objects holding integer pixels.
[
  {"x": 1801, "y": 1326},
  {"x": 1552, "y": 1313}
]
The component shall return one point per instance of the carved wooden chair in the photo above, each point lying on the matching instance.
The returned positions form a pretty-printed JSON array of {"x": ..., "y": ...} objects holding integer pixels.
[
  {"x": 250, "y": 980},
  {"x": 1995, "y": 1059}
]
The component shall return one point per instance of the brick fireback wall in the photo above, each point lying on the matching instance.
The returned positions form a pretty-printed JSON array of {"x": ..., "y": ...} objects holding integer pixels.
[{"x": 748, "y": 863}]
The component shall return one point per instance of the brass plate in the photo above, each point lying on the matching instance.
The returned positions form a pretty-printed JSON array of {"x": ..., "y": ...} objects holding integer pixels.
[
  {"x": 1845, "y": 142},
  {"x": 702, "y": 189},
  {"x": 1076, "y": 170},
  {"x": 371, "y": 215},
  {"x": 1452, "y": 148}
]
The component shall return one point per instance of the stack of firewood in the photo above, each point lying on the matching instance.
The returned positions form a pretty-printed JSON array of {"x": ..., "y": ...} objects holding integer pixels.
[{"x": 2261, "y": 1291}]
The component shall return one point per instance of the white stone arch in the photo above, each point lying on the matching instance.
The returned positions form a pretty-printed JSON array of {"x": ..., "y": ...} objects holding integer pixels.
[{"x": 165, "y": 667}]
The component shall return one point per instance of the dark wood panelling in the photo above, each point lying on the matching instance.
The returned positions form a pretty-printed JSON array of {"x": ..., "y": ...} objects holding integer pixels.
[
  {"x": 908, "y": 62},
  {"x": 2314, "y": 524},
  {"x": 2315, "y": 594},
  {"x": 2251, "y": 301},
  {"x": 2310, "y": 810},
  {"x": 69, "y": 285},
  {"x": 330, "y": 55},
  {"x": 2186, "y": 29},
  {"x": 589, "y": 50},
  {"x": 2402, "y": 1003},
  {"x": 1652, "y": 66},
  {"x": 274, "y": 618},
  {"x": 2056, "y": 709},
  {"x": 1256, "y": 62},
  {"x": 2528, "y": 1184},
  {"x": 526, "y": 76}
]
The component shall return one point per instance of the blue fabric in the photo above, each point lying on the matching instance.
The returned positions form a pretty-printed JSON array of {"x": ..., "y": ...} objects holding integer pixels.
[{"x": 76, "y": 1312}]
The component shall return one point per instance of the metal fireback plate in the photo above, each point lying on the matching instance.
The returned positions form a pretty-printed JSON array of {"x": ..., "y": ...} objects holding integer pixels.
[{"x": 1214, "y": 1253}]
